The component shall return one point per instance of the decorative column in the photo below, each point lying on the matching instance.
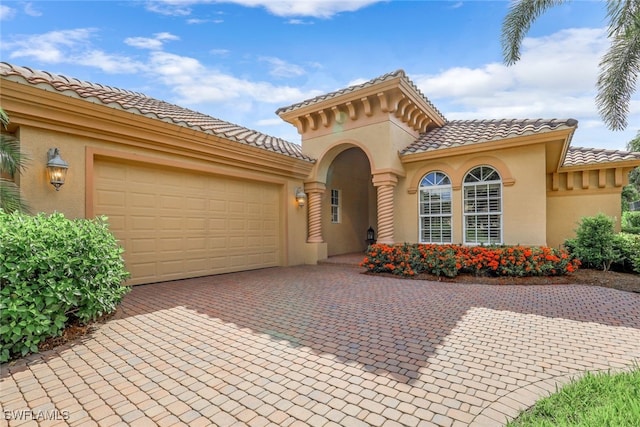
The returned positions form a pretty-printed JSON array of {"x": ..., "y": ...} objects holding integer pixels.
[
  {"x": 315, "y": 190},
  {"x": 385, "y": 184}
]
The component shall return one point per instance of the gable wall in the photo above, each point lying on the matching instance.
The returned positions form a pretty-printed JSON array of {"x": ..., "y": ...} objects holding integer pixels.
[{"x": 524, "y": 193}]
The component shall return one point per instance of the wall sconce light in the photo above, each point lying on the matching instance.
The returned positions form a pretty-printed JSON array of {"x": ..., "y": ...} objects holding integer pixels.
[
  {"x": 56, "y": 168},
  {"x": 301, "y": 198}
]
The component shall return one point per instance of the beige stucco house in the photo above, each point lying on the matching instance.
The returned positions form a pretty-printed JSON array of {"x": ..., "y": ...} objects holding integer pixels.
[{"x": 191, "y": 195}]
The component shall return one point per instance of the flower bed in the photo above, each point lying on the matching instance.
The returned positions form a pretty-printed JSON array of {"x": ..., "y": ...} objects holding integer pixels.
[{"x": 451, "y": 260}]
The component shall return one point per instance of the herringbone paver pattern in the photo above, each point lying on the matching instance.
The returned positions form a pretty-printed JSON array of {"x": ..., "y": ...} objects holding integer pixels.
[{"x": 324, "y": 346}]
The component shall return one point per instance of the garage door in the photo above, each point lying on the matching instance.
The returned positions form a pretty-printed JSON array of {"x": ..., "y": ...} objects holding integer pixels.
[{"x": 176, "y": 224}]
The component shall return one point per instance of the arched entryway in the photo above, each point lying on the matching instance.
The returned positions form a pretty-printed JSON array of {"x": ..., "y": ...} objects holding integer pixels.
[{"x": 349, "y": 203}]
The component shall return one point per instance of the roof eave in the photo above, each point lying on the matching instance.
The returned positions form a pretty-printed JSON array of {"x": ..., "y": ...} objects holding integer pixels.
[{"x": 490, "y": 145}]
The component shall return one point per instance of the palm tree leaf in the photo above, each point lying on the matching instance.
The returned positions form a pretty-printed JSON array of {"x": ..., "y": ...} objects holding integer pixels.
[
  {"x": 517, "y": 22},
  {"x": 12, "y": 161},
  {"x": 10, "y": 199},
  {"x": 4, "y": 118},
  {"x": 620, "y": 66}
]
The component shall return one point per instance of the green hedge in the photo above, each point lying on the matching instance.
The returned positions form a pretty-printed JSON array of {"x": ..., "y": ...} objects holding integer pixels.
[{"x": 54, "y": 270}]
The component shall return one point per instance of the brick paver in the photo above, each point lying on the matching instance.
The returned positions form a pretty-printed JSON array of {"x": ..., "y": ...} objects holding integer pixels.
[{"x": 324, "y": 345}]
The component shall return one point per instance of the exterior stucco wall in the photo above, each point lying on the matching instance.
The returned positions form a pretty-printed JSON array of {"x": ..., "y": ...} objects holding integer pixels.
[
  {"x": 523, "y": 193},
  {"x": 81, "y": 140},
  {"x": 579, "y": 194},
  {"x": 380, "y": 140},
  {"x": 565, "y": 213}
]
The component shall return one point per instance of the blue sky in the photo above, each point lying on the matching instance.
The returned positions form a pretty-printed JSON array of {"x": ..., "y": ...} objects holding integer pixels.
[{"x": 240, "y": 60}]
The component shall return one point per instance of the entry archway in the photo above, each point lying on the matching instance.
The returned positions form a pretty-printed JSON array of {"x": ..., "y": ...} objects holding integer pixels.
[{"x": 349, "y": 202}]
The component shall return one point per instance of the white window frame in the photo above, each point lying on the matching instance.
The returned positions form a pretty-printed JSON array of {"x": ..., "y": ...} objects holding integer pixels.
[
  {"x": 335, "y": 202},
  {"x": 484, "y": 209},
  {"x": 435, "y": 183}
]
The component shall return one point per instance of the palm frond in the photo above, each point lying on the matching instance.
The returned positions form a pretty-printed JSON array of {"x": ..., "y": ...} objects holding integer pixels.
[
  {"x": 516, "y": 24},
  {"x": 12, "y": 161},
  {"x": 10, "y": 198},
  {"x": 4, "y": 118},
  {"x": 620, "y": 66}
]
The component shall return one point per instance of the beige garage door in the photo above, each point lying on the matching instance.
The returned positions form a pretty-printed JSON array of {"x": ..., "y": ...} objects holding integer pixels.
[{"x": 177, "y": 224}]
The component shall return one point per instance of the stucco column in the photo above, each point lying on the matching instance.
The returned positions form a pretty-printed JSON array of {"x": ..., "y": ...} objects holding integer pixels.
[
  {"x": 315, "y": 190},
  {"x": 385, "y": 184}
]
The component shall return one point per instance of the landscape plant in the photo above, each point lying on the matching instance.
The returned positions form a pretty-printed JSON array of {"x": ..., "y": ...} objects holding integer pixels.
[
  {"x": 594, "y": 243},
  {"x": 450, "y": 260},
  {"x": 53, "y": 271}
]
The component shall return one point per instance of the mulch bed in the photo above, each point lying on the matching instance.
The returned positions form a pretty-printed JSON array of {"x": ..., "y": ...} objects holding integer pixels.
[{"x": 608, "y": 279}]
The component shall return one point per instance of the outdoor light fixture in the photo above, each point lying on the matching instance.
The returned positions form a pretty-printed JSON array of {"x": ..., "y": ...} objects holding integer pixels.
[
  {"x": 371, "y": 236},
  {"x": 301, "y": 198},
  {"x": 56, "y": 168}
]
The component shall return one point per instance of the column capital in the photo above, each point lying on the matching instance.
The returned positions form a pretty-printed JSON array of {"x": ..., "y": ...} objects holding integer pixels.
[
  {"x": 385, "y": 178},
  {"x": 314, "y": 187}
]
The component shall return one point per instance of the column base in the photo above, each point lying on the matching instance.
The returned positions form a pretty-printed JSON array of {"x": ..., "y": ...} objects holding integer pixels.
[
  {"x": 315, "y": 252},
  {"x": 385, "y": 241}
]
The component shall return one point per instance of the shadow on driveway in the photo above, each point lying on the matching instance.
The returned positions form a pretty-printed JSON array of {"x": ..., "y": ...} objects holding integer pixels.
[{"x": 390, "y": 326}]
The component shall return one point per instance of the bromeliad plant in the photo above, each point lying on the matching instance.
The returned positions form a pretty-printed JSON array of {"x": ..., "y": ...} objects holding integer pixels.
[{"x": 451, "y": 260}]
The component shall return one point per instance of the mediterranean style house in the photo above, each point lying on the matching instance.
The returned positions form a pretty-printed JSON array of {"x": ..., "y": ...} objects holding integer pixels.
[{"x": 191, "y": 195}]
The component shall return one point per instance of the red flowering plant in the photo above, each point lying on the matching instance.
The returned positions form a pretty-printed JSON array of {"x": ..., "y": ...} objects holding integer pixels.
[{"x": 450, "y": 260}]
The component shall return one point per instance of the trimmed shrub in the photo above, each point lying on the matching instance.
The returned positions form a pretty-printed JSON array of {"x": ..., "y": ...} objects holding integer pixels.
[
  {"x": 631, "y": 221},
  {"x": 53, "y": 270},
  {"x": 628, "y": 245},
  {"x": 451, "y": 260},
  {"x": 594, "y": 242}
]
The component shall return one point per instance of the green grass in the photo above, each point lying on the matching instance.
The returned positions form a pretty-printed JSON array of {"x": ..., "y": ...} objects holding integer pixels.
[{"x": 600, "y": 399}]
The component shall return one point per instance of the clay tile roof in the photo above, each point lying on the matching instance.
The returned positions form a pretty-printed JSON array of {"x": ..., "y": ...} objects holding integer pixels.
[
  {"x": 139, "y": 103},
  {"x": 372, "y": 82},
  {"x": 464, "y": 132},
  {"x": 579, "y": 156}
]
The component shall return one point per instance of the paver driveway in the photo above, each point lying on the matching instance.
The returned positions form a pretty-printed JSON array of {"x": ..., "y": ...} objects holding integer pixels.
[{"x": 325, "y": 345}]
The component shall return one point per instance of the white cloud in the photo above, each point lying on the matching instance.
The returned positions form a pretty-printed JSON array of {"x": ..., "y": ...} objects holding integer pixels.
[
  {"x": 6, "y": 12},
  {"x": 357, "y": 81},
  {"x": 109, "y": 63},
  {"x": 220, "y": 52},
  {"x": 555, "y": 78},
  {"x": 296, "y": 21},
  {"x": 154, "y": 43},
  {"x": 51, "y": 47},
  {"x": 556, "y": 75},
  {"x": 281, "y": 68},
  {"x": 194, "y": 21},
  {"x": 193, "y": 83},
  {"x": 30, "y": 10},
  {"x": 170, "y": 7},
  {"x": 315, "y": 8},
  {"x": 269, "y": 122},
  {"x": 69, "y": 46}
]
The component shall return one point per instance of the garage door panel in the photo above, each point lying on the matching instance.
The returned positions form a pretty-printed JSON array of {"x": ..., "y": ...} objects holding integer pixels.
[
  {"x": 145, "y": 223},
  {"x": 176, "y": 224}
]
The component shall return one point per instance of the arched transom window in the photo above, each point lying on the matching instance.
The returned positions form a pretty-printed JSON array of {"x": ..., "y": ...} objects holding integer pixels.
[
  {"x": 435, "y": 208},
  {"x": 482, "y": 201}
]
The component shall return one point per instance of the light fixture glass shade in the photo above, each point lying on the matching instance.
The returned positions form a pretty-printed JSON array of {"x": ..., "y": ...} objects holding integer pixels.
[
  {"x": 301, "y": 198},
  {"x": 56, "y": 168}
]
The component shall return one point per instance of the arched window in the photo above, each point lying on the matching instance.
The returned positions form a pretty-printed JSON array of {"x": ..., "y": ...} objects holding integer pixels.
[
  {"x": 435, "y": 208},
  {"x": 482, "y": 201}
]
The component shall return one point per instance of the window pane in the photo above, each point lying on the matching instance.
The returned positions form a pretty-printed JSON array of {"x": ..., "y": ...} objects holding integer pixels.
[
  {"x": 482, "y": 198},
  {"x": 434, "y": 208}
]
